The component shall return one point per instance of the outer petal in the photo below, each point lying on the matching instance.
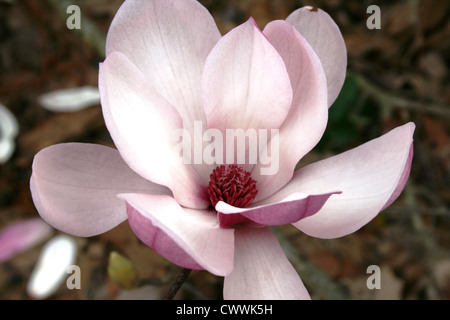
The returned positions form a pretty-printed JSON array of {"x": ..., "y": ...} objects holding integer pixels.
[
  {"x": 326, "y": 39},
  {"x": 74, "y": 187},
  {"x": 22, "y": 235},
  {"x": 261, "y": 269},
  {"x": 245, "y": 84},
  {"x": 142, "y": 124},
  {"x": 289, "y": 210},
  {"x": 186, "y": 237},
  {"x": 307, "y": 118},
  {"x": 168, "y": 40},
  {"x": 369, "y": 176},
  {"x": 402, "y": 181}
]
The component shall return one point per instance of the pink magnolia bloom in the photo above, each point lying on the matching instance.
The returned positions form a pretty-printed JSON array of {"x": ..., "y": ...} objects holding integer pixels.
[{"x": 168, "y": 66}]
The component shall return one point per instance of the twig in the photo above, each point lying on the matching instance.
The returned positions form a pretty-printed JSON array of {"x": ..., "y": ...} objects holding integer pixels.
[
  {"x": 388, "y": 100},
  {"x": 177, "y": 285}
]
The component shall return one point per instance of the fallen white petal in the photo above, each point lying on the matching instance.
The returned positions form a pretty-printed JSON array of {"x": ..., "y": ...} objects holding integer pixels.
[
  {"x": 8, "y": 131},
  {"x": 51, "y": 269},
  {"x": 69, "y": 100}
]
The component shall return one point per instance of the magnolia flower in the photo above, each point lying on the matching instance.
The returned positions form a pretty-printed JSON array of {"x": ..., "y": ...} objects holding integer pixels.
[{"x": 168, "y": 67}]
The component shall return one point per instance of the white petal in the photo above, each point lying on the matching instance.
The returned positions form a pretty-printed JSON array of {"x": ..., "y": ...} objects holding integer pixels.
[
  {"x": 9, "y": 128},
  {"x": 69, "y": 100},
  {"x": 51, "y": 269}
]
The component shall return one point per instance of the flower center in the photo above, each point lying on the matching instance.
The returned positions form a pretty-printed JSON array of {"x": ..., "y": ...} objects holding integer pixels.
[{"x": 233, "y": 185}]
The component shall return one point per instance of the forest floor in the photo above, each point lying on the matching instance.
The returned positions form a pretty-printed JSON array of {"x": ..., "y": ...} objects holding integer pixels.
[{"x": 396, "y": 74}]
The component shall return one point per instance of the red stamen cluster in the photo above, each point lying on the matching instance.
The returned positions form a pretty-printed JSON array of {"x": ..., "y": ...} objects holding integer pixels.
[{"x": 233, "y": 185}]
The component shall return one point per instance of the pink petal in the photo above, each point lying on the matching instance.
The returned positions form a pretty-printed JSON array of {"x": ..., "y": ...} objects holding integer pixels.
[
  {"x": 261, "y": 269},
  {"x": 74, "y": 187},
  {"x": 324, "y": 36},
  {"x": 22, "y": 235},
  {"x": 289, "y": 210},
  {"x": 189, "y": 238},
  {"x": 245, "y": 84},
  {"x": 168, "y": 40},
  {"x": 307, "y": 118},
  {"x": 142, "y": 124},
  {"x": 403, "y": 179},
  {"x": 369, "y": 176}
]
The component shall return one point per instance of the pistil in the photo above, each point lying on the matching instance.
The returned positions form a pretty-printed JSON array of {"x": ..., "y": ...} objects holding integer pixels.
[{"x": 232, "y": 185}]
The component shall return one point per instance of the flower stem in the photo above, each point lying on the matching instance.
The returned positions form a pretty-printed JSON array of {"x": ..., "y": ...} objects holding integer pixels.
[{"x": 177, "y": 285}]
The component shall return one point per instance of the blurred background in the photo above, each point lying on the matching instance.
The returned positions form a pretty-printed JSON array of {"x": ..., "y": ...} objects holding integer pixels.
[{"x": 396, "y": 74}]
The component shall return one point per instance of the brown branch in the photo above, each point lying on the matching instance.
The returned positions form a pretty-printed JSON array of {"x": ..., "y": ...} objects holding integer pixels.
[
  {"x": 388, "y": 100},
  {"x": 177, "y": 285}
]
